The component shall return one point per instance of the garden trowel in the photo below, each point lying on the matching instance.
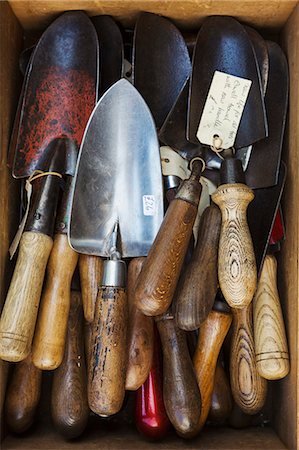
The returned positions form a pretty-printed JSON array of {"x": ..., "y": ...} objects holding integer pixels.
[{"x": 116, "y": 212}]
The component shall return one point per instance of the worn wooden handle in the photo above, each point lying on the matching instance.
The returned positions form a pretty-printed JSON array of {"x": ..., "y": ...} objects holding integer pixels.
[
  {"x": 249, "y": 389},
  {"x": 107, "y": 372},
  {"x": 23, "y": 396},
  {"x": 69, "y": 404},
  {"x": 181, "y": 394},
  {"x": 91, "y": 269},
  {"x": 19, "y": 314},
  {"x": 236, "y": 261},
  {"x": 211, "y": 336},
  {"x": 140, "y": 334},
  {"x": 51, "y": 327},
  {"x": 198, "y": 285},
  {"x": 221, "y": 403},
  {"x": 271, "y": 348}
]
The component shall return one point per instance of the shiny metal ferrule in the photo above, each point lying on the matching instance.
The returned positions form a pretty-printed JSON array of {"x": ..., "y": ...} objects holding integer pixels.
[
  {"x": 114, "y": 273},
  {"x": 171, "y": 182}
]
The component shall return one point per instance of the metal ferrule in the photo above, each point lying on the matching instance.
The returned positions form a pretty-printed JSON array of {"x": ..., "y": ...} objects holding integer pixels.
[
  {"x": 114, "y": 273},
  {"x": 171, "y": 182},
  {"x": 190, "y": 189},
  {"x": 231, "y": 171}
]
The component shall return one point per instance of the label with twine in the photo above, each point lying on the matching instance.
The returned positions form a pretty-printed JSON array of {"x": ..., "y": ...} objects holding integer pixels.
[{"x": 28, "y": 187}]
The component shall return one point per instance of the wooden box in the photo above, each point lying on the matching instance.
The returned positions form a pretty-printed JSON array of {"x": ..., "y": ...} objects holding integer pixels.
[{"x": 275, "y": 18}]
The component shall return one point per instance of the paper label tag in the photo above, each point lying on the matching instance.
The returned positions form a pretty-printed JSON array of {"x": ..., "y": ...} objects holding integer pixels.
[
  {"x": 149, "y": 205},
  {"x": 223, "y": 109}
]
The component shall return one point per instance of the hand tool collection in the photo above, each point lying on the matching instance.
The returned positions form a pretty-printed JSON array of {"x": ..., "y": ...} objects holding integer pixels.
[{"x": 172, "y": 246}]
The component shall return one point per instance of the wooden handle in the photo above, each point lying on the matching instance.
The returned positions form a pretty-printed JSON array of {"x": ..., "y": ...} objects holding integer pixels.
[
  {"x": 19, "y": 314},
  {"x": 107, "y": 372},
  {"x": 181, "y": 394},
  {"x": 91, "y": 269},
  {"x": 69, "y": 404},
  {"x": 51, "y": 327},
  {"x": 198, "y": 285},
  {"x": 211, "y": 336},
  {"x": 236, "y": 261},
  {"x": 4, "y": 369},
  {"x": 221, "y": 403},
  {"x": 23, "y": 396},
  {"x": 271, "y": 348},
  {"x": 140, "y": 334},
  {"x": 161, "y": 270},
  {"x": 249, "y": 389}
]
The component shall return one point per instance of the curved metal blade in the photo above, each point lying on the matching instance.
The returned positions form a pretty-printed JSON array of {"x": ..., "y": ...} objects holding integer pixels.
[
  {"x": 60, "y": 90},
  {"x": 118, "y": 179},
  {"x": 161, "y": 63}
]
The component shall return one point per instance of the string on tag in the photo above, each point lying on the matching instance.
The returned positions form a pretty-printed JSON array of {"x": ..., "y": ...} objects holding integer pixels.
[
  {"x": 28, "y": 187},
  {"x": 217, "y": 145}
]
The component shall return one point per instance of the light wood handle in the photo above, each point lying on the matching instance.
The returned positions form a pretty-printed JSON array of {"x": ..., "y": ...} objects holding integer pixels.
[
  {"x": 23, "y": 396},
  {"x": 91, "y": 269},
  {"x": 181, "y": 394},
  {"x": 19, "y": 314},
  {"x": 69, "y": 404},
  {"x": 161, "y": 269},
  {"x": 51, "y": 327},
  {"x": 140, "y": 334},
  {"x": 236, "y": 260},
  {"x": 211, "y": 336},
  {"x": 271, "y": 348},
  {"x": 107, "y": 372},
  {"x": 249, "y": 389},
  {"x": 198, "y": 285},
  {"x": 222, "y": 403}
]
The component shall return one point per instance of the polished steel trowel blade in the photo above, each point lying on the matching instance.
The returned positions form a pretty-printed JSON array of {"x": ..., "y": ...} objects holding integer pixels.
[{"x": 118, "y": 178}]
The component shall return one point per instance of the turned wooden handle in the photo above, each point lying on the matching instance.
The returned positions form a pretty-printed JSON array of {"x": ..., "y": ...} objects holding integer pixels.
[
  {"x": 221, "y": 403},
  {"x": 51, "y": 327},
  {"x": 271, "y": 348},
  {"x": 23, "y": 396},
  {"x": 140, "y": 334},
  {"x": 249, "y": 389},
  {"x": 107, "y": 371},
  {"x": 91, "y": 269},
  {"x": 236, "y": 260},
  {"x": 69, "y": 404},
  {"x": 181, "y": 394},
  {"x": 211, "y": 336},
  {"x": 198, "y": 285},
  {"x": 20, "y": 310}
]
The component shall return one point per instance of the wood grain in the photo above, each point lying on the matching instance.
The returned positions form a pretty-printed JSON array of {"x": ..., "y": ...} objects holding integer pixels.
[
  {"x": 51, "y": 328},
  {"x": 140, "y": 334},
  {"x": 211, "y": 336},
  {"x": 249, "y": 389},
  {"x": 107, "y": 372},
  {"x": 23, "y": 396},
  {"x": 91, "y": 269},
  {"x": 236, "y": 261},
  {"x": 271, "y": 348},
  {"x": 199, "y": 282},
  {"x": 69, "y": 406},
  {"x": 181, "y": 394},
  {"x": 221, "y": 402},
  {"x": 21, "y": 307}
]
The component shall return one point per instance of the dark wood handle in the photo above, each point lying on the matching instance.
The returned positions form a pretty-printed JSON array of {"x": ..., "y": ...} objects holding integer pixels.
[
  {"x": 107, "y": 371},
  {"x": 23, "y": 396},
  {"x": 69, "y": 404},
  {"x": 249, "y": 389},
  {"x": 221, "y": 403},
  {"x": 161, "y": 270},
  {"x": 51, "y": 328},
  {"x": 20, "y": 310},
  {"x": 181, "y": 394},
  {"x": 140, "y": 334},
  {"x": 271, "y": 348},
  {"x": 198, "y": 285},
  {"x": 236, "y": 260},
  {"x": 91, "y": 269},
  {"x": 211, "y": 336}
]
